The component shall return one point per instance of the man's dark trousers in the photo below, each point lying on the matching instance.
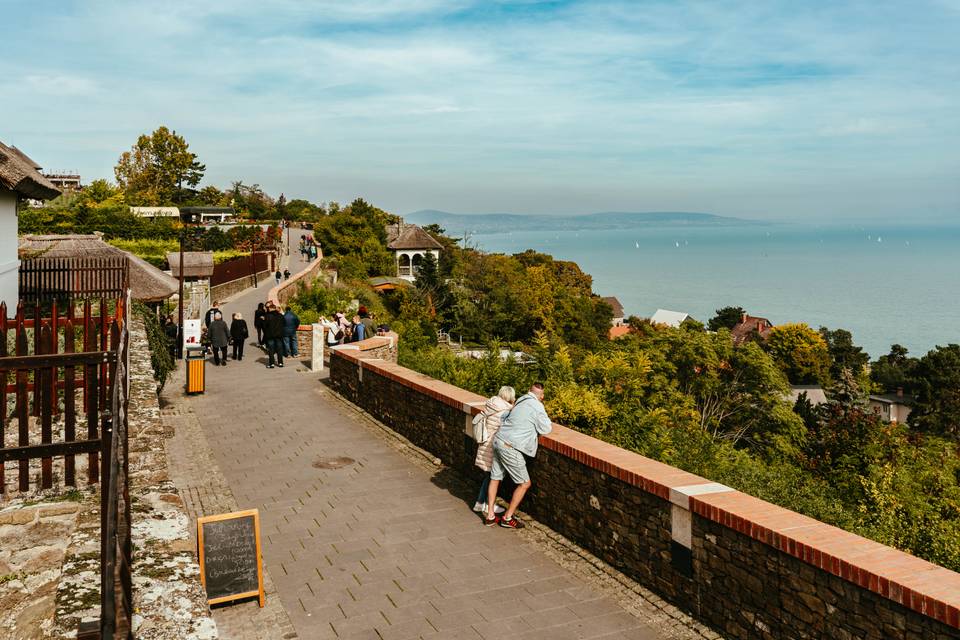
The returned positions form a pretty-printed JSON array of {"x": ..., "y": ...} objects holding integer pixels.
[{"x": 275, "y": 347}]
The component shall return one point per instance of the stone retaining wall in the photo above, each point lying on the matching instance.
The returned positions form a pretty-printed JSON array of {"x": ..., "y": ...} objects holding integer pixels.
[
  {"x": 746, "y": 567},
  {"x": 281, "y": 293},
  {"x": 227, "y": 289}
]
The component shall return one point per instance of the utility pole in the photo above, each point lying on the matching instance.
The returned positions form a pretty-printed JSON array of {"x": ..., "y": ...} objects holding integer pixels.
[
  {"x": 288, "y": 237},
  {"x": 180, "y": 325}
]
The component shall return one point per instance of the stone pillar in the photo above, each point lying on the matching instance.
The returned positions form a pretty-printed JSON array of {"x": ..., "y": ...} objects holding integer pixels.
[
  {"x": 681, "y": 523},
  {"x": 316, "y": 360}
]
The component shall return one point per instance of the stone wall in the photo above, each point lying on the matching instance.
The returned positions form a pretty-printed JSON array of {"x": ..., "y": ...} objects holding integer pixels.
[
  {"x": 168, "y": 598},
  {"x": 748, "y": 568},
  {"x": 227, "y": 289},
  {"x": 288, "y": 288}
]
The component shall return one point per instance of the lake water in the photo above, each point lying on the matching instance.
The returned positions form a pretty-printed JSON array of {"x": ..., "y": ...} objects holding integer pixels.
[{"x": 884, "y": 284}]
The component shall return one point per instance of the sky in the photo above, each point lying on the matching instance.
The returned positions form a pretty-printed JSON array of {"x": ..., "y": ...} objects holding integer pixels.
[{"x": 768, "y": 110}]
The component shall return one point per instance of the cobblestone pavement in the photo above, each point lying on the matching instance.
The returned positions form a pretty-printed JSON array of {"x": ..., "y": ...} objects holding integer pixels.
[{"x": 381, "y": 545}]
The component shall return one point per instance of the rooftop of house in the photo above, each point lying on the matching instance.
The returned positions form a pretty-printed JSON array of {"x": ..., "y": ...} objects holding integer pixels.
[
  {"x": 196, "y": 264},
  {"x": 669, "y": 318},
  {"x": 147, "y": 283},
  {"x": 615, "y": 305},
  {"x": 20, "y": 174},
  {"x": 409, "y": 236},
  {"x": 815, "y": 393},
  {"x": 894, "y": 398},
  {"x": 750, "y": 325}
]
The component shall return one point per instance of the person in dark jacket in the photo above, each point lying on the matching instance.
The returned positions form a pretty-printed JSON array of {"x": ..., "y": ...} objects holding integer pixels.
[
  {"x": 219, "y": 339},
  {"x": 238, "y": 334},
  {"x": 172, "y": 331},
  {"x": 212, "y": 311},
  {"x": 258, "y": 317},
  {"x": 290, "y": 324},
  {"x": 286, "y": 274},
  {"x": 273, "y": 333},
  {"x": 278, "y": 276}
]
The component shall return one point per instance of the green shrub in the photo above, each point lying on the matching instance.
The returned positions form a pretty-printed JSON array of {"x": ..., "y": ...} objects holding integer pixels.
[{"x": 160, "y": 358}]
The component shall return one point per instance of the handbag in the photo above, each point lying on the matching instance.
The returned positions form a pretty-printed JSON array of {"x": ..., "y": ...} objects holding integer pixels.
[{"x": 480, "y": 428}]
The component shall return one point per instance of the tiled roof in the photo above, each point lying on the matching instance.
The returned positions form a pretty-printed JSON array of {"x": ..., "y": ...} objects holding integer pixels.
[
  {"x": 750, "y": 326},
  {"x": 413, "y": 237}
]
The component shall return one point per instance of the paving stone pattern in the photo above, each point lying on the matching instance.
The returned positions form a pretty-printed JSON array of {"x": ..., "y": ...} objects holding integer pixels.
[{"x": 377, "y": 548}]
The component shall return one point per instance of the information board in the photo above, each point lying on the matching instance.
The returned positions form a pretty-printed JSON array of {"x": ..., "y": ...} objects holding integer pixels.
[
  {"x": 229, "y": 548},
  {"x": 191, "y": 332}
]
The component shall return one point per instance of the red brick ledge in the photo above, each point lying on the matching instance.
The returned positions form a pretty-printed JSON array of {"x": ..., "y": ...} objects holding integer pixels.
[{"x": 922, "y": 586}]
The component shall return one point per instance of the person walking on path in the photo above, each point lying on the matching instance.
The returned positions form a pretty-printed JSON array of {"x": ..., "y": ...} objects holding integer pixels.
[
  {"x": 290, "y": 324},
  {"x": 258, "y": 317},
  {"x": 491, "y": 416},
  {"x": 212, "y": 311},
  {"x": 219, "y": 335},
  {"x": 278, "y": 276},
  {"x": 239, "y": 334},
  {"x": 286, "y": 274},
  {"x": 273, "y": 333},
  {"x": 517, "y": 437}
]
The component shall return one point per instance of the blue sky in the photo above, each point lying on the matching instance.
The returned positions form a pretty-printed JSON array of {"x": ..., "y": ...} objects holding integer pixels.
[{"x": 776, "y": 110}]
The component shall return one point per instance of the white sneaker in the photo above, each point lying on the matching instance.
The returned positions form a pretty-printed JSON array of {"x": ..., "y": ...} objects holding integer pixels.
[
  {"x": 480, "y": 507},
  {"x": 497, "y": 509}
]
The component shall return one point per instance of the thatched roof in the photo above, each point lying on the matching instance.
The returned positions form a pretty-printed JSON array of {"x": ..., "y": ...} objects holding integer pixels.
[
  {"x": 196, "y": 264},
  {"x": 21, "y": 174},
  {"x": 411, "y": 237},
  {"x": 147, "y": 283},
  {"x": 615, "y": 305}
]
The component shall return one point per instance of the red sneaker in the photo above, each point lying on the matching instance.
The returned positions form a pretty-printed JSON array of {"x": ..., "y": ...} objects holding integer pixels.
[
  {"x": 489, "y": 522},
  {"x": 512, "y": 523}
]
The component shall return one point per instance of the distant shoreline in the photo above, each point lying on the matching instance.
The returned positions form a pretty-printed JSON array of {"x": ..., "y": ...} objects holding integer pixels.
[{"x": 455, "y": 223}]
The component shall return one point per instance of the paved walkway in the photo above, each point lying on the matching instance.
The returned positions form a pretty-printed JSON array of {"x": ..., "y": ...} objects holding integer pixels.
[{"x": 380, "y": 547}]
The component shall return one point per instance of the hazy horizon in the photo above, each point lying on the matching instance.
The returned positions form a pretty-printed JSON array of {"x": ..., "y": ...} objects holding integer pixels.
[{"x": 773, "y": 111}]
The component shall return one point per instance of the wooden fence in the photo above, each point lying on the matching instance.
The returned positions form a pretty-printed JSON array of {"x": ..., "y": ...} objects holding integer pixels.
[
  {"x": 91, "y": 342},
  {"x": 47, "y": 279}
]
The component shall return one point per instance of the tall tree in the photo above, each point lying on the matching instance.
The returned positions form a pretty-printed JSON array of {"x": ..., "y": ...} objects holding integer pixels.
[
  {"x": 895, "y": 370},
  {"x": 158, "y": 168},
  {"x": 801, "y": 353},
  {"x": 937, "y": 408},
  {"x": 843, "y": 353},
  {"x": 726, "y": 318}
]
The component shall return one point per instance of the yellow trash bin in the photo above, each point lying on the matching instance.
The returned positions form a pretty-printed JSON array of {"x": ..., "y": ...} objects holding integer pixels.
[{"x": 195, "y": 369}]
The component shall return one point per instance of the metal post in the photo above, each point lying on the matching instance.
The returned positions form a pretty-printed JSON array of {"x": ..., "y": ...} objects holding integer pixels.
[
  {"x": 180, "y": 325},
  {"x": 288, "y": 236}
]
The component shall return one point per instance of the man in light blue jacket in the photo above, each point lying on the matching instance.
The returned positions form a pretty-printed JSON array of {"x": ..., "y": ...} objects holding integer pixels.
[{"x": 519, "y": 430}]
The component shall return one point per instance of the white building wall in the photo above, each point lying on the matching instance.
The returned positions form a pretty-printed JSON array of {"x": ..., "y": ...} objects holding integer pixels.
[{"x": 9, "y": 264}]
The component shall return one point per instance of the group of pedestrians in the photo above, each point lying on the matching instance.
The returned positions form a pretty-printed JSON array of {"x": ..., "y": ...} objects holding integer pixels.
[
  {"x": 221, "y": 336},
  {"x": 308, "y": 248},
  {"x": 507, "y": 431},
  {"x": 363, "y": 325},
  {"x": 276, "y": 332}
]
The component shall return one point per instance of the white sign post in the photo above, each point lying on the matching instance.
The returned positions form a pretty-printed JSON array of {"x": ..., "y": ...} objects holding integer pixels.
[{"x": 191, "y": 332}]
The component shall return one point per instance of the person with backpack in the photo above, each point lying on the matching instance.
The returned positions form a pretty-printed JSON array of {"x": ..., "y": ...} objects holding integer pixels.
[
  {"x": 238, "y": 335},
  {"x": 286, "y": 274},
  {"x": 334, "y": 331},
  {"x": 484, "y": 428}
]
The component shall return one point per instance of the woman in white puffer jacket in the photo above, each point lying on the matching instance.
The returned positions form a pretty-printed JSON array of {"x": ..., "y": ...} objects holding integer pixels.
[{"x": 493, "y": 412}]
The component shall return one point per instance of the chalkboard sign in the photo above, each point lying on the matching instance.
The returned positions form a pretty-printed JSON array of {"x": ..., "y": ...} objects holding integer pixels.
[{"x": 229, "y": 549}]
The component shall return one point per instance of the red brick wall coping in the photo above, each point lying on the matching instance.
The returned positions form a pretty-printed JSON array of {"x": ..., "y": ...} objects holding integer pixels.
[{"x": 915, "y": 583}]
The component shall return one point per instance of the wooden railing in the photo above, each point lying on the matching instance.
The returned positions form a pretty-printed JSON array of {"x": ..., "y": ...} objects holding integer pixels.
[
  {"x": 75, "y": 378},
  {"x": 45, "y": 279}
]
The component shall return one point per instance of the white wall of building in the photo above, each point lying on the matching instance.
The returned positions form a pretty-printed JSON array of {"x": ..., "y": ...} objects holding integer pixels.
[{"x": 9, "y": 263}]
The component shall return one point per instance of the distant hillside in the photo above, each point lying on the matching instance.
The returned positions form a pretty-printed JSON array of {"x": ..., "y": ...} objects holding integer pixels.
[{"x": 456, "y": 223}]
